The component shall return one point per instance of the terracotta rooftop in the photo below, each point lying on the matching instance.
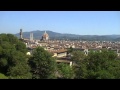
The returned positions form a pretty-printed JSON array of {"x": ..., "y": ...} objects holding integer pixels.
[{"x": 58, "y": 51}]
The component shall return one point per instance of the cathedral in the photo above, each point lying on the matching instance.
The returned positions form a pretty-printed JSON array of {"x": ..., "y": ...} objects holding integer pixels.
[{"x": 45, "y": 36}]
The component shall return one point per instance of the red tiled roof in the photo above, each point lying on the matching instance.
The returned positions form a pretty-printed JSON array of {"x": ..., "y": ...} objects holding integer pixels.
[{"x": 58, "y": 51}]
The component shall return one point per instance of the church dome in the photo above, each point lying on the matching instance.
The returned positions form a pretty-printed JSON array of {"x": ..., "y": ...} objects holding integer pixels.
[{"x": 45, "y": 36}]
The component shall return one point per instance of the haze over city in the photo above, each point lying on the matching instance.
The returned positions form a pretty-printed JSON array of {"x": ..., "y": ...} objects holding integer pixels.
[{"x": 74, "y": 22}]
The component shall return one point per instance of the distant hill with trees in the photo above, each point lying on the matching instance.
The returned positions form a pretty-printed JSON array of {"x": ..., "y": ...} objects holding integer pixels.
[{"x": 54, "y": 35}]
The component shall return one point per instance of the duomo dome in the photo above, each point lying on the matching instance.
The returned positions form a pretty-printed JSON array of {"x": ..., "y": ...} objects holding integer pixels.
[{"x": 45, "y": 36}]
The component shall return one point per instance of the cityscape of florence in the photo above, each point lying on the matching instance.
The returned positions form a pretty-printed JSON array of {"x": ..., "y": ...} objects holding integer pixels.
[{"x": 59, "y": 45}]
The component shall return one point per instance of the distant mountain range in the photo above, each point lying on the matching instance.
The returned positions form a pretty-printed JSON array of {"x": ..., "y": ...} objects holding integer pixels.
[{"x": 54, "y": 35}]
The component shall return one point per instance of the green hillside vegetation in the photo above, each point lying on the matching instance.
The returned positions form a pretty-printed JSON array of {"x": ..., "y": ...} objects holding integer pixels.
[
  {"x": 43, "y": 65},
  {"x": 13, "y": 62},
  {"x": 2, "y": 76},
  {"x": 97, "y": 65}
]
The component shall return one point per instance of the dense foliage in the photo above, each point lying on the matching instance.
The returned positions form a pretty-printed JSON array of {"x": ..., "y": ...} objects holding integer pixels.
[
  {"x": 2, "y": 76},
  {"x": 13, "y": 57},
  {"x": 42, "y": 63},
  {"x": 97, "y": 65},
  {"x": 65, "y": 71}
]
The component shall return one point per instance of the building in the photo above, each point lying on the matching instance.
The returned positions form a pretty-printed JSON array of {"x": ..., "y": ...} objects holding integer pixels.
[
  {"x": 45, "y": 36},
  {"x": 59, "y": 53},
  {"x": 21, "y": 36},
  {"x": 31, "y": 36}
]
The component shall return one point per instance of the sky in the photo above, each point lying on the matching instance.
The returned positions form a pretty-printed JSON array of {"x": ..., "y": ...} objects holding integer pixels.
[{"x": 73, "y": 22}]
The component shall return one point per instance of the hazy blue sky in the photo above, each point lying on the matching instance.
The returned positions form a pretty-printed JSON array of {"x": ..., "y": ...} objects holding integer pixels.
[{"x": 74, "y": 22}]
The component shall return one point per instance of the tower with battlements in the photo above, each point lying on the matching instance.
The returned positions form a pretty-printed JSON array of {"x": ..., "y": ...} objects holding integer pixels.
[{"x": 21, "y": 36}]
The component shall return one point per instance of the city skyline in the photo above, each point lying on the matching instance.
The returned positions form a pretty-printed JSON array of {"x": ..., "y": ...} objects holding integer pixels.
[{"x": 73, "y": 22}]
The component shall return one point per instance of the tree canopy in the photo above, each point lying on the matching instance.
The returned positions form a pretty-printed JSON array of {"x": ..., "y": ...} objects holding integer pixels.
[
  {"x": 43, "y": 65},
  {"x": 13, "y": 57},
  {"x": 97, "y": 65},
  {"x": 2, "y": 76},
  {"x": 65, "y": 71}
]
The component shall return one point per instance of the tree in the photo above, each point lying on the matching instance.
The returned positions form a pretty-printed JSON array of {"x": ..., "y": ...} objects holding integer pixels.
[
  {"x": 20, "y": 71},
  {"x": 70, "y": 50},
  {"x": 13, "y": 61},
  {"x": 78, "y": 57},
  {"x": 65, "y": 71},
  {"x": 19, "y": 66},
  {"x": 43, "y": 65},
  {"x": 79, "y": 64},
  {"x": 97, "y": 65},
  {"x": 21, "y": 47}
]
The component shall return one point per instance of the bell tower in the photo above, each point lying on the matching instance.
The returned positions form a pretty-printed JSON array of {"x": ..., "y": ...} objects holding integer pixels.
[
  {"x": 21, "y": 37},
  {"x": 31, "y": 36}
]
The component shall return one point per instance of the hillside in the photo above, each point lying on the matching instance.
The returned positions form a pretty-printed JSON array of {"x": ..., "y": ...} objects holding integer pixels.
[{"x": 54, "y": 35}]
